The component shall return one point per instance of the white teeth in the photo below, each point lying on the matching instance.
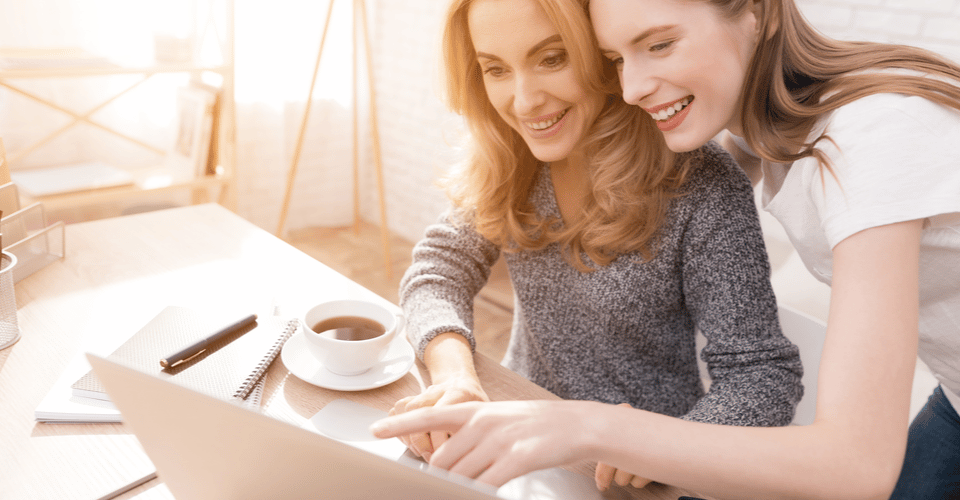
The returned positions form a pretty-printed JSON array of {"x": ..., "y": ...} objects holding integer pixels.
[
  {"x": 548, "y": 123},
  {"x": 665, "y": 113}
]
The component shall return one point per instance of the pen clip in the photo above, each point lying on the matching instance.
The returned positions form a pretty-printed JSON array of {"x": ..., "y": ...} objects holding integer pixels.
[{"x": 201, "y": 351}]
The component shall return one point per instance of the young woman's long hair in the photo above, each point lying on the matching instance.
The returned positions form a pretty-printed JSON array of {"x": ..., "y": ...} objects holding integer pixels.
[
  {"x": 797, "y": 74},
  {"x": 632, "y": 173}
]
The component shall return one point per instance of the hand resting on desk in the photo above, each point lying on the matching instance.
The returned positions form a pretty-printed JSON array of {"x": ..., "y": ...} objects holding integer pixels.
[
  {"x": 496, "y": 442},
  {"x": 450, "y": 391}
]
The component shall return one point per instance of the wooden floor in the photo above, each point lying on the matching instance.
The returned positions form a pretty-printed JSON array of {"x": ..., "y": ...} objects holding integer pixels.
[{"x": 359, "y": 256}]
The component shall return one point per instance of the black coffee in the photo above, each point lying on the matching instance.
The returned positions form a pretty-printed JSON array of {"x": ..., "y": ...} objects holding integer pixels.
[{"x": 349, "y": 328}]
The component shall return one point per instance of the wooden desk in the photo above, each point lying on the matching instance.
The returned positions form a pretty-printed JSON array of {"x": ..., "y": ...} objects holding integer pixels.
[{"x": 116, "y": 275}]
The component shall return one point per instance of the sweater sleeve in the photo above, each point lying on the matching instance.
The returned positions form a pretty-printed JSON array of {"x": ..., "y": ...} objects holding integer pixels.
[
  {"x": 449, "y": 267},
  {"x": 755, "y": 370}
]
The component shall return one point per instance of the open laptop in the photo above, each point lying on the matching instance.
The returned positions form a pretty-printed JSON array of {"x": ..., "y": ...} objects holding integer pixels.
[{"x": 205, "y": 448}]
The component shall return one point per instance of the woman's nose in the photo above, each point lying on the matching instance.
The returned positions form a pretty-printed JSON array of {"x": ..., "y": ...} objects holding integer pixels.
[
  {"x": 528, "y": 95},
  {"x": 637, "y": 83}
]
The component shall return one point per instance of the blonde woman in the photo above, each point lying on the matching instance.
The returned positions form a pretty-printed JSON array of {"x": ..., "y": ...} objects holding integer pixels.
[
  {"x": 860, "y": 150},
  {"x": 617, "y": 248}
]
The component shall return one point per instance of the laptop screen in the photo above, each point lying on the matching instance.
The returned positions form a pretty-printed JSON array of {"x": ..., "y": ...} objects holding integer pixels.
[{"x": 205, "y": 448}]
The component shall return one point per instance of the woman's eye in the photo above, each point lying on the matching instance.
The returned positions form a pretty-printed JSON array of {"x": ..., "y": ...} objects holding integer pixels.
[
  {"x": 494, "y": 71},
  {"x": 615, "y": 60},
  {"x": 661, "y": 46},
  {"x": 555, "y": 60}
]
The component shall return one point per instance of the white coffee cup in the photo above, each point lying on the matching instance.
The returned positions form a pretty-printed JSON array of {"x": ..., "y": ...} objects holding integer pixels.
[{"x": 348, "y": 356}]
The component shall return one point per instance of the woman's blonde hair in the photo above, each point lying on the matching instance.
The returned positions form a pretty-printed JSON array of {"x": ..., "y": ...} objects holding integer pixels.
[
  {"x": 632, "y": 173},
  {"x": 797, "y": 74}
]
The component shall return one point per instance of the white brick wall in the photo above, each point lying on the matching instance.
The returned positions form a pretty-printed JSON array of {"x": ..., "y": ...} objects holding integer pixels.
[
  {"x": 416, "y": 134},
  {"x": 932, "y": 24}
]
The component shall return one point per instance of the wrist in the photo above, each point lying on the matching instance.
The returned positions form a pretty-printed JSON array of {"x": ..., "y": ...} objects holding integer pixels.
[
  {"x": 604, "y": 427},
  {"x": 595, "y": 423},
  {"x": 448, "y": 358},
  {"x": 459, "y": 381}
]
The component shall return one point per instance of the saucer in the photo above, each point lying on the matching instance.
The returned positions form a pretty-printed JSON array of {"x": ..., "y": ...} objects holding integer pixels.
[{"x": 395, "y": 364}]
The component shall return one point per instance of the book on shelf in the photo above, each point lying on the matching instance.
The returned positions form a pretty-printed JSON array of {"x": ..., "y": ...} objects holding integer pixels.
[{"x": 197, "y": 107}]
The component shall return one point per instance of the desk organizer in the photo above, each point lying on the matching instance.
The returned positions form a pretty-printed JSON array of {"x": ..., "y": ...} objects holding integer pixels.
[
  {"x": 9, "y": 331},
  {"x": 27, "y": 236},
  {"x": 9, "y": 198}
]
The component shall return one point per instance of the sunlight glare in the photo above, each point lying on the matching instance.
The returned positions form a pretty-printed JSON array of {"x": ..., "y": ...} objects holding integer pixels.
[{"x": 276, "y": 51}]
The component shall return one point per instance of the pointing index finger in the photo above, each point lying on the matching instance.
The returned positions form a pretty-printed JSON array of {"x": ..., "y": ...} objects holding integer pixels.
[{"x": 443, "y": 418}]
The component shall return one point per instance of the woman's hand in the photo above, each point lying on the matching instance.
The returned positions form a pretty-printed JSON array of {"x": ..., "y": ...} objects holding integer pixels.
[
  {"x": 453, "y": 390},
  {"x": 606, "y": 474},
  {"x": 496, "y": 442}
]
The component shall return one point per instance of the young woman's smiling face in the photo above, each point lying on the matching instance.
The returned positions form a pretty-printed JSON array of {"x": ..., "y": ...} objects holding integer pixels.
[
  {"x": 529, "y": 77},
  {"x": 679, "y": 60}
]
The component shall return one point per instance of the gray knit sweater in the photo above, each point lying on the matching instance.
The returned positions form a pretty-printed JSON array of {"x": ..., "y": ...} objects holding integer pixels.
[{"x": 624, "y": 333}]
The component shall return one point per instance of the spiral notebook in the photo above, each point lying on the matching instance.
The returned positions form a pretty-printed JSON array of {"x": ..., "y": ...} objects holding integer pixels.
[{"x": 229, "y": 369}]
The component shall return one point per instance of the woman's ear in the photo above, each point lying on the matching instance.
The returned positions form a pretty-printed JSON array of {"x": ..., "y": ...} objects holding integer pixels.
[{"x": 767, "y": 14}]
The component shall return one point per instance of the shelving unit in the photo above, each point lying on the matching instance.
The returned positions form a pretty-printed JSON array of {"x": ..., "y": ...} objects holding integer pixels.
[{"x": 220, "y": 179}]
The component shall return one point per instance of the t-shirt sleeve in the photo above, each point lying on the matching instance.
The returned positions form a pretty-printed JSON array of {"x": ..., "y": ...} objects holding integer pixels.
[{"x": 896, "y": 158}]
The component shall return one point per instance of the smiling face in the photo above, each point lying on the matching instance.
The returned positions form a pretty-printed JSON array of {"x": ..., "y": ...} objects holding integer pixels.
[
  {"x": 529, "y": 78},
  {"x": 681, "y": 61}
]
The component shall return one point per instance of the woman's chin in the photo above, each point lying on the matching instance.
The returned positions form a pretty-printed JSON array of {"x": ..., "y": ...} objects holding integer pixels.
[{"x": 682, "y": 143}]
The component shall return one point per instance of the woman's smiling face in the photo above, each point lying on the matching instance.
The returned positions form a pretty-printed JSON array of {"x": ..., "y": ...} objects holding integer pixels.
[
  {"x": 529, "y": 78},
  {"x": 681, "y": 61}
]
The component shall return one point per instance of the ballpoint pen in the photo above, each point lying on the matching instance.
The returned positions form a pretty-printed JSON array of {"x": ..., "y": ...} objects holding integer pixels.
[{"x": 188, "y": 352}]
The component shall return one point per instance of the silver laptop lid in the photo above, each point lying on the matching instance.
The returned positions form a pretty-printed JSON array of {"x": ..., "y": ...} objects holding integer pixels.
[{"x": 207, "y": 448}]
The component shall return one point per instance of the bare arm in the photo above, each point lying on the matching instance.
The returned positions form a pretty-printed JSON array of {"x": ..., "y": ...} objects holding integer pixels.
[{"x": 854, "y": 449}]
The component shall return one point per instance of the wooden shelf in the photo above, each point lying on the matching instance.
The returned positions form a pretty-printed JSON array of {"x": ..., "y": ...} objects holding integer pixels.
[
  {"x": 49, "y": 63},
  {"x": 200, "y": 187}
]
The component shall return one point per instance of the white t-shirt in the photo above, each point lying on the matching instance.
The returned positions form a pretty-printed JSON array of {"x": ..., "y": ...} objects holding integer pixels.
[{"x": 898, "y": 159}]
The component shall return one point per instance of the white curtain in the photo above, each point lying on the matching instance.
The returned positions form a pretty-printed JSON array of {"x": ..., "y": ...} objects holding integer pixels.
[{"x": 276, "y": 47}]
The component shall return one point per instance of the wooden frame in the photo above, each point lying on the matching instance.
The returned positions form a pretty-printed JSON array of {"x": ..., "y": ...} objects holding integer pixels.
[{"x": 359, "y": 16}]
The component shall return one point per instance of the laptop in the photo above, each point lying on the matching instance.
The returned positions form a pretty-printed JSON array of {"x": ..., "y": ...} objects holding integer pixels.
[{"x": 204, "y": 447}]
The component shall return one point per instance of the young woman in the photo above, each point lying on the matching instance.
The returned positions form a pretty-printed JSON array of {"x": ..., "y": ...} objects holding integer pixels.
[
  {"x": 618, "y": 249},
  {"x": 860, "y": 145}
]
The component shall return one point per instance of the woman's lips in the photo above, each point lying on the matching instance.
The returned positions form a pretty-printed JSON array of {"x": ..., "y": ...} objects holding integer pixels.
[
  {"x": 548, "y": 127},
  {"x": 670, "y": 116}
]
